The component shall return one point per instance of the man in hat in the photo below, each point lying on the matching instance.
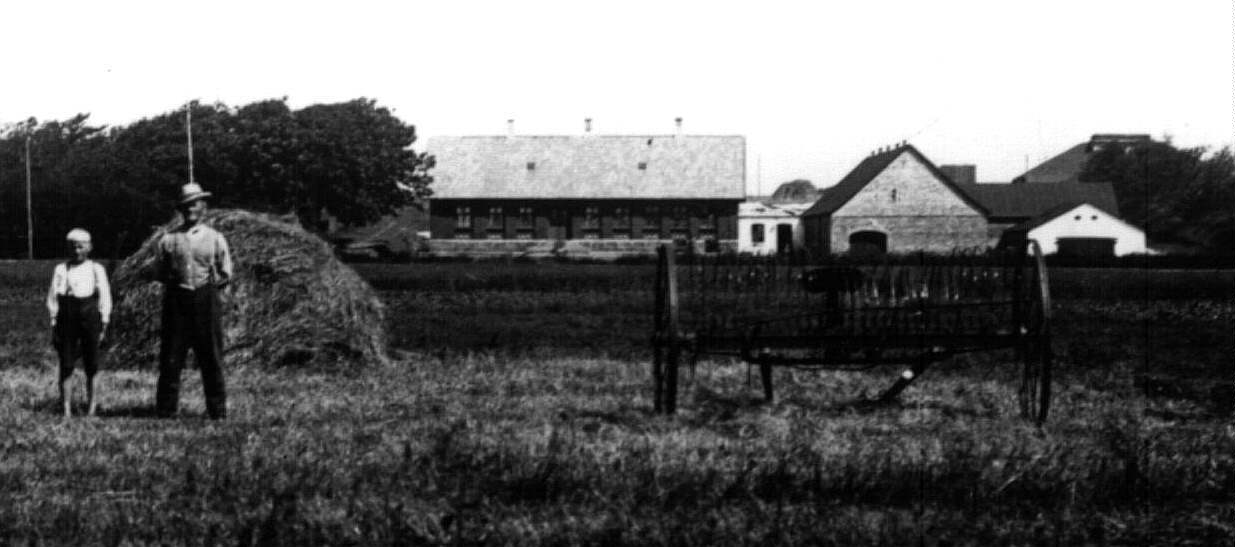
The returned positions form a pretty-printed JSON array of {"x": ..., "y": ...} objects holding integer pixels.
[{"x": 193, "y": 263}]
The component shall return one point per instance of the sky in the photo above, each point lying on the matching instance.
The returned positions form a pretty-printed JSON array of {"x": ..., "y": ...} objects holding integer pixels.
[{"x": 814, "y": 87}]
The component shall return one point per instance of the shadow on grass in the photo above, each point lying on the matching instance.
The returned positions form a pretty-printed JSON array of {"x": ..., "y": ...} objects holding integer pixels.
[
  {"x": 712, "y": 406},
  {"x": 856, "y": 405},
  {"x": 144, "y": 411},
  {"x": 628, "y": 417},
  {"x": 51, "y": 405}
]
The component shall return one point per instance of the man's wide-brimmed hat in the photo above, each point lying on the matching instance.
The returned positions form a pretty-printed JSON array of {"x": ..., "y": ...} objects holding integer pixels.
[{"x": 192, "y": 192}]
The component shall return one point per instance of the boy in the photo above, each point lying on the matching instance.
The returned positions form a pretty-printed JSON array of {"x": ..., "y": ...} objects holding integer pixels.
[{"x": 79, "y": 303}]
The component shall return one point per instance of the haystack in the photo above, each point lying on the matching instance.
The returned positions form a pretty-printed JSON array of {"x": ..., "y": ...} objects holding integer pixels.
[{"x": 291, "y": 302}]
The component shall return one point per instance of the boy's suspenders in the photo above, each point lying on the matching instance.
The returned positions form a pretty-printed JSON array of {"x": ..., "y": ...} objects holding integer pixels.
[{"x": 94, "y": 275}]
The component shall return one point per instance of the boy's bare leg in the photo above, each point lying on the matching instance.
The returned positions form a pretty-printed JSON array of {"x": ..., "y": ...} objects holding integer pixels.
[
  {"x": 66, "y": 393},
  {"x": 90, "y": 401}
]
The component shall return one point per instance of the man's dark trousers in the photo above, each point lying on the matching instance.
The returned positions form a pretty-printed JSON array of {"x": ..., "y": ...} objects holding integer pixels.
[{"x": 191, "y": 319}]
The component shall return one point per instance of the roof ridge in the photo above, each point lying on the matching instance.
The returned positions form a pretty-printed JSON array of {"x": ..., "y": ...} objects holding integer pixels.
[
  {"x": 606, "y": 136},
  {"x": 874, "y": 164}
]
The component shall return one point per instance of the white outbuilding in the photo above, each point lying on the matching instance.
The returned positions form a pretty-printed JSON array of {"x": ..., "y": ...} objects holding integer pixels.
[
  {"x": 1084, "y": 229},
  {"x": 770, "y": 228}
]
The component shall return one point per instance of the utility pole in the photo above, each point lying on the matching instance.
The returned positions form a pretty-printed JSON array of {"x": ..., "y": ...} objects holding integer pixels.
[
  {"x": 29, "y": 213},
  {"x": 188, "y": 131},
  {"x": 759, "y": 175}
]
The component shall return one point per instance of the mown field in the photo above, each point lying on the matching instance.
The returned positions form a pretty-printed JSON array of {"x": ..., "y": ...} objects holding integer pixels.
[{"x": 519, "y": 413}]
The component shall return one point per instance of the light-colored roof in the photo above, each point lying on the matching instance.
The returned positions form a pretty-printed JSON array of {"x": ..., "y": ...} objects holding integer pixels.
[
  {"x": 589, "y": 167},
  {"x": 771, "y": 210},
  {"x": 1063, "y": 209}
]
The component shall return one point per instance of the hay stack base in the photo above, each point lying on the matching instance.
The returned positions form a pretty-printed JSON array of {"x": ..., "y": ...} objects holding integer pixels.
[{"x": 290, "y": 303}]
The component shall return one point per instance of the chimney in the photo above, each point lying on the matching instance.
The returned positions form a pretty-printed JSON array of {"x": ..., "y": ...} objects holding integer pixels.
[
  {"x": 587, "y": 126},
  {"x": 960, "y": 174},
  {"x": 678, "y": 125},
  {"x": 510, "y": 127}
]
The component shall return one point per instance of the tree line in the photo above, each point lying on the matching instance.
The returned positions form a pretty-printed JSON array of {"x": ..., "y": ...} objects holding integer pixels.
[
  {"x": 1184, "y": 198},
  {"x": 348, "y": 163}
]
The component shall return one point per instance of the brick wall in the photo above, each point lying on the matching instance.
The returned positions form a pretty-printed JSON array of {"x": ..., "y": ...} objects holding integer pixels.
[
  {"x": 939, "y": 234},
  {"x": 913, "y": 208}
]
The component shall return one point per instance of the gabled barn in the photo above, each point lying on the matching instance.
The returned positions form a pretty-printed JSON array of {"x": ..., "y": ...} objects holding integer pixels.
[
  {"x": 585, "y": 194},
  {"x": 895, "y": 200}
]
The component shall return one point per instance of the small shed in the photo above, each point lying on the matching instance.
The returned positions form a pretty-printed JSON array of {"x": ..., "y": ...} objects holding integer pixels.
[
  {"x": 1083, "y": 229},
  {"x": 770, "y": 228}
]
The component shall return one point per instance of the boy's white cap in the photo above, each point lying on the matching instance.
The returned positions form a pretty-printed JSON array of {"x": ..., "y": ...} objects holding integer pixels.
[{"x": 78, "y": 234}]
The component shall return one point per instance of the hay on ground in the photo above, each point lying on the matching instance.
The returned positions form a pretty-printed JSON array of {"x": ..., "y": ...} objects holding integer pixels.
[{"x": 291, "y": 301}]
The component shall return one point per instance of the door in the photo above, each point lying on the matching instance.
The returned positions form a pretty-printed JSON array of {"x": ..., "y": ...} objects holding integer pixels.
[
  {"x": 784, "y": 238},
  {"x": 559, "y": 224},
  {"x": 868, "y": 243},
  {"x": 1086, "y": 246}
]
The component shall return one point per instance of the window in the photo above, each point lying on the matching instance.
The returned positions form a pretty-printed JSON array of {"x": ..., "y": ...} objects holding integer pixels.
[
  {"x": 893, "y": 195},
  {"x": 591, "y": 222},
  {"x": 681, "y": 221},
  {"x": 707, "y": 227},
  {"x": 621, "y": 222},
  {"x": 463, "y": 222},
  {"x": 591, "y": 218},
  {"x": 643, "y": 166},
  {"x": 756, "y": 234},
  {"x": 495, "y": 221},
  {"x": 651, "y": 222},
  {"x": 531, "y": 166},
  {"x": 525, "y": 223},
  {"x": 1077, "y": 217}
]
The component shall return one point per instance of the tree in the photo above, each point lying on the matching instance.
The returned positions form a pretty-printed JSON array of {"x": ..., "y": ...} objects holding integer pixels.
[
  {"x": 795, "y": 191},
  {"x": 1180, "y": 196},
  {"x": 355, "y": 164},
  {"x": 350, "y": 162}
]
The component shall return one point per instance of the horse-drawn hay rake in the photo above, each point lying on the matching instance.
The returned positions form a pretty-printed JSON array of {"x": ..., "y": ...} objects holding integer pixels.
[{"x": 853, "y": 313}]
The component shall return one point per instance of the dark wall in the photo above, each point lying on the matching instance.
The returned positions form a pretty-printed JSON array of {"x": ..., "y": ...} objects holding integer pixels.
[
  {"x": 818, "y": 233},
  {"x": 568, "y": 219}
]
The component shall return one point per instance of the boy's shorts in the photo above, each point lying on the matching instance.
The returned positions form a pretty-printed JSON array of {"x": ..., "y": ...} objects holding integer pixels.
[{"x": 76, "y": 334}]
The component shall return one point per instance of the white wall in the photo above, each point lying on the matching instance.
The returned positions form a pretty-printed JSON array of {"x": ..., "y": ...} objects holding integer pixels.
[
  {"x": 1088, "y": 221},
  {"x": 750, "y": 214}
]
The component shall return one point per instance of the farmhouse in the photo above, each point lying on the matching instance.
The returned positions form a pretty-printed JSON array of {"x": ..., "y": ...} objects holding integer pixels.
[
  {"x": 587, "y": 194},
  {"x": 896, "y": 200}
]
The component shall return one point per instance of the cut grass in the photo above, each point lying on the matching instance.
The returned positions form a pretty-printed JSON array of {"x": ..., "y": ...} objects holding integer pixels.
[
  {"x": 515, "y": 451},
  {"x": 544, "y": 435}
]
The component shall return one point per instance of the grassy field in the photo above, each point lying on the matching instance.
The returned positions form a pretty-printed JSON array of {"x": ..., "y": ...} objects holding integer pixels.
[{"x": 519, "y": 414}]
